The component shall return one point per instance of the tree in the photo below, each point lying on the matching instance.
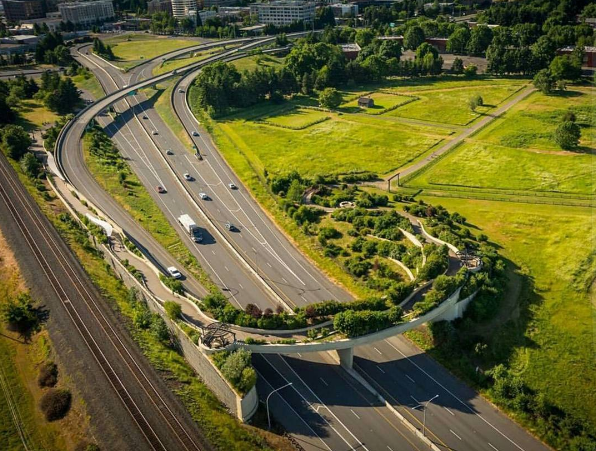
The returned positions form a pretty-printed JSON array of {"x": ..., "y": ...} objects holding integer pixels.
[
  {"x": 458, "y": 40},
  {"x": 7, "y": 115},
  {"x": 64, "y": 98},
  {"x": 458, "y": 66},
  {"x": 544, "y": 82},
  {"x": 173, "y": 309},
  {"x": 30, "y": 165},
  {"x": 475, "y": 102},
  {"x": 567, "y": 135},
  {"x": 470, "y": 70},
  {"x": 19, "y": 312},
  {"x": 480, "y": 38},
  {"x": 413, "y": 37},
  {"x": 330, "y": 98},
  {"x": 565, "y": 67},
  {"x": 14, "y": 141},
  {"x": 364, "y": 37},
  {"x": 55, "y": 404},
  {"x": 295, "y": 191}
]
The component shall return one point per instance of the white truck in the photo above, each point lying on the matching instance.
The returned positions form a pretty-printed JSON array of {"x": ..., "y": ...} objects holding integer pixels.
[{"x": 191, "y": 228}]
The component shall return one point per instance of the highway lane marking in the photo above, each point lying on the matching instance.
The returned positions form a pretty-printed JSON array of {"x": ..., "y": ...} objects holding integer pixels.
[
  {"x": 241, "y": 287},
  {"x": 226, "y": 268},
  {"x": 415, "y": 399},
  {"x": 269, "y": 264},
  {"x": 262, "y": 376},
  {"x": 448, "y": 410},
  {"x": 213, "y": 252},
  {"x": 491, "y": 445},
  {"x": 323, "y": 380},
  {"x": 320, "y": 401},
  {"x": 380, "y": 353},
  {"x": 310, "y": 404},
  {"x": 410, "y": 378},
  {"x": 389, "y": 448},
  {"x": 380, "y": 369},
  {"x": 455, "y": 397},
  {"x": 351, "y": 410},
  {"x": 455, "y": 434},
  {"x": 285, "y": 281}
]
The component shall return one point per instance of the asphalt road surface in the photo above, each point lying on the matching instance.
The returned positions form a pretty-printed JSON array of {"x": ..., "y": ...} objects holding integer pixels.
[{"x": 479, "y": 425}]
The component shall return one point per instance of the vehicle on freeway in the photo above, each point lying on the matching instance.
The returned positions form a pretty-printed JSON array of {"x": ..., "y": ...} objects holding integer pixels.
[
  {"x": 230, "y": 226},
  {"x": 154, "y": 132},
  {"x": 199, "y": 156},
  {"x": 169, "y": 152},
  {"x": 188, "y": 177},
  {"x": 195, "y": 133},
  {"x": 160, "y": 189},
  {"x": 180, "y": 90},
  {"x": 191, "y": 228},
  {"x": 232, "y": 186},
  {"x": 173, "y": 271},
  {"x": 145, "y": 116},
  {"x": 203, "y": 196}
]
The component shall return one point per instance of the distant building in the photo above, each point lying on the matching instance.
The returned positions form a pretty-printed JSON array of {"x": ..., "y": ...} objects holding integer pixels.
[
  {"x": 589, "y": 55},
  {"x": 350, "y": 51},
  {"x": 234, "y": 11},
  {"x": 283, "y": 12},
  {"x": 159, "y": 6},
  {"x": 207, "y": 14},
  {"x": 218, "y": 3},
  {"x": 344, "y": 9},
  {"x": 181, "y": 8},
  {"x": 19, "y": 10},
  {"x": 52, "y": 24},
  {"x": 366, "y": 102},
  {"x": 439, "y": 43},
  {"x": 87, "y": 13}
]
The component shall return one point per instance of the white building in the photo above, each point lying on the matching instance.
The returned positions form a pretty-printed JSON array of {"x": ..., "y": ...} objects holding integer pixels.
[
  {"x": 182, "y": 8},
  {"x": 283, "y": 12},
  {"x": 86, "y": 13},
  {"x": 344, "y": 9}
]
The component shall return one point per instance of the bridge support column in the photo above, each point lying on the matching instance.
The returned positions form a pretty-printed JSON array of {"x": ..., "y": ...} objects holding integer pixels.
[{"x": 346, "y": 357}]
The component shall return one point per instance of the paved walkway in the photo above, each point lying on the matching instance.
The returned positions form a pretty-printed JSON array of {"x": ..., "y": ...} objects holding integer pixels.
[{"x": 461, "y": 137}]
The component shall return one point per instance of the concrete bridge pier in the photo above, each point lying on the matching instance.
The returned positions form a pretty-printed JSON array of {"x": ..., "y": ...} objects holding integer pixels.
[{"x": 346, "y": 358}]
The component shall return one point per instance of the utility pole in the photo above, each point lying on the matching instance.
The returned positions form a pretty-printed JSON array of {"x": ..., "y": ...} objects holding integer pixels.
[{"x": 424, "y": 420}]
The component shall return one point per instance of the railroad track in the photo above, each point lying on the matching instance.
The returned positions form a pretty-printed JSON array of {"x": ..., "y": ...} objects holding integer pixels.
[{"x": 30, "y": 222}]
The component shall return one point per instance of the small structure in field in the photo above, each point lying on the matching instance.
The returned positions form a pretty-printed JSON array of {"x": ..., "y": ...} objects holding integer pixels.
[{"x": 366, "y": 102}]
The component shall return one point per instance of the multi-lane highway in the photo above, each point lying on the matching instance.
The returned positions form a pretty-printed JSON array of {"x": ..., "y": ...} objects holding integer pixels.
[{"x": 343, "y": 413}]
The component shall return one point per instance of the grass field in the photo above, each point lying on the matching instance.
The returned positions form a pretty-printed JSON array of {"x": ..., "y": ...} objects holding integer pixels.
[
  {"x": 89, "y": 84},
  {"x": 252, "y": 62},
  {"x": 33, "y": 114},
  {"x": 383, "y": 101},
  {"x": 550, "y": 340},
  {"x": 517, "y": 151},
  {"x": 296, "y": 118},
  {"x": 351, "y": 142},
  {"x": 479, "y": 165},
  {"x": 131, "y": 50},
  {"x": 531, "y": 123}
]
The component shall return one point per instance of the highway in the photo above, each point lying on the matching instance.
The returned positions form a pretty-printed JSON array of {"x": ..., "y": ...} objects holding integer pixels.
[{"x": 468, "y": 430}]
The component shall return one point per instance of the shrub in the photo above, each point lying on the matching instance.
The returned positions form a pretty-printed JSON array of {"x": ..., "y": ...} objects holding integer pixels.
[
  {"x": 173, "y": 309},
  {"x": 20, "y": 313},
  {"x": 55, "y": 404},
  {"x": 356, "y": 323},
  {"x": 48, "y": 375},
  {"x": 173, "y": 284},
  {"x": 160, "y": 330},
  {"x": 329, "y": 233},
  {"x": 237, "y": 369},
  {"x": 215, "y": 301},
  {"x": 567, "y": 135}
]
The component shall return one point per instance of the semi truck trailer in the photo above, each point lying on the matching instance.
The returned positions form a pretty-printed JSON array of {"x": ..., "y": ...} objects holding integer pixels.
[{"x": 191, "y": 228}]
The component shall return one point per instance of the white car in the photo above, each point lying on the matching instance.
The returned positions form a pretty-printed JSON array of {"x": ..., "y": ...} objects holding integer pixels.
[
  {"x": 195, "y": 133},
  {"x": 172, "y": 271},
  {"x": 232, "y": 186},
  {"x": 154, "y": 132},
  {"x": 188, "y": 177},
  {"x": 180, "y": 91},
  {"x": 203, "y": 196}
]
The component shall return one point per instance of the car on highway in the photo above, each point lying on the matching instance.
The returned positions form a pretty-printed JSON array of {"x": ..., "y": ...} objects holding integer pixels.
[
  {"x": 180, "y": 91},
  {"x": 173, "y": 271},
  {"x": 169, "y": 152},
  {"x": 145, "y": 116},
  {"x": 160, "y": 189},
  {"x": 230, "y": 226},
  {"x": 154, "y": 132},
  {"x": 203, "y": 196},
  {"x": 195, "y": 133},
  {"x": 232, "y": 186},
  {"x": 188, "y": 177}
]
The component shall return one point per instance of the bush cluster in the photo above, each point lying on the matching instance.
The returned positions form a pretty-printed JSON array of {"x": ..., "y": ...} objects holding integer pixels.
[
  {"x": 55, "y": 404},
  {"x": 237, "y": 368},
  {"x": 356, "y": 323},
  {"x": 48, "y": 375}
]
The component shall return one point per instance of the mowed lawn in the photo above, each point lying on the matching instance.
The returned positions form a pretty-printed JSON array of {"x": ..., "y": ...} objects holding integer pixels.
[
  {"x": 258, "y": 61},
  {"x": 448, "y": 102},
  {"x": 479, "y": 165},
  {"x": 382, "y": 100},
  {"x": 170, "y": 65},
  {"x": 142, "y": 47},
  {"x": 550, "y": 342},
  {"x": 339, "y": 145},
  {"x": 532, "y": 122}
]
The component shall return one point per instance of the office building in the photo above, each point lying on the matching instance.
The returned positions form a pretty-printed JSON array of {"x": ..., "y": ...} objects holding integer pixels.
[
  {"x": 182, "y": 8},
  {"x": 283, "y": 12},
  {"x": 87, "y": 13},
  {"x": 159, "y": 6},
  {"x": 19, "y": 10}
]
